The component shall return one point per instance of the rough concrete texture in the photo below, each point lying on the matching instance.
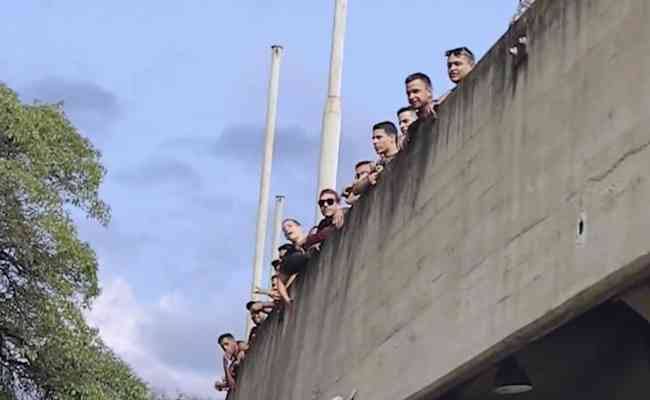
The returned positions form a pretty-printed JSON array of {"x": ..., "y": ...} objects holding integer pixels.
[{"x": 469, "y": 247}]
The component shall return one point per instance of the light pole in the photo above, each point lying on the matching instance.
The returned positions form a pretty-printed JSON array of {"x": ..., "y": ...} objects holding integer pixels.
[
  {"x": 265, "y": 179},
  {"x": 331, "y": 128}
]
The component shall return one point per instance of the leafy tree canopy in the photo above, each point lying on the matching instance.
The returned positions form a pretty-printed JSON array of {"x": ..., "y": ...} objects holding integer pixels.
[{"x": 48, "y": 276}]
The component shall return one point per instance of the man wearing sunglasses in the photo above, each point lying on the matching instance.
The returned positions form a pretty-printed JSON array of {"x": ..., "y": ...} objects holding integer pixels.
[
  {"x": 460, "y": 62},
  {"x": 295, "y": 260},
  {"x": 329, "y": 204}
]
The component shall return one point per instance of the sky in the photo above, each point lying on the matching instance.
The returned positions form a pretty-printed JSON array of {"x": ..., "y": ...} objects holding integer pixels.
[{"x": 174, "y": 95}]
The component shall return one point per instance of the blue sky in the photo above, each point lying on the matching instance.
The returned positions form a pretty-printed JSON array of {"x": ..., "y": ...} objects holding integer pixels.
[{"x": 174, "y": 95}]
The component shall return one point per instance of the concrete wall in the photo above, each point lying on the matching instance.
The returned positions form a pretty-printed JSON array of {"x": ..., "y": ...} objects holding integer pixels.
[{"x": 469, "y": 248}]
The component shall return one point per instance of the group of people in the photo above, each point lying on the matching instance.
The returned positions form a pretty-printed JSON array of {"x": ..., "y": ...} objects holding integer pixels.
[{"x": 387, "y": 140}]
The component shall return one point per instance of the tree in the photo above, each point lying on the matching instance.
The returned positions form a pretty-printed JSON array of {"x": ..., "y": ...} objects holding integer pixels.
[{"x": 48, "y": 276}]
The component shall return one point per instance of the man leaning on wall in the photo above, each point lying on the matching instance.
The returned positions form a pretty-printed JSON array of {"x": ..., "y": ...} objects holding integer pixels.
[{"x": 460, "y": 62}]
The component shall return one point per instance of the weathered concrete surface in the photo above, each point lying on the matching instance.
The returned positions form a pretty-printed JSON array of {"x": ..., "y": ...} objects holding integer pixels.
[{"x": 469, "y": 248}]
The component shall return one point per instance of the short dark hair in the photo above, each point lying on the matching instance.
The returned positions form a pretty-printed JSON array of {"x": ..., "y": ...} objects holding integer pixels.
[
  {"x": 405, "y": 109},
  {"x": 332, "y": 192},
  {"x": 295, "y": 221},
  {"x": 387, "y": 127},
  {"x": 285, "y": 247},
  {"x": 250, "y": 304},
  {"x": 225, "y": 336},
  {"x": 360, "y": 163},
  {"x": 421, "y": 76},
  {"x": 461, "y": 51}
]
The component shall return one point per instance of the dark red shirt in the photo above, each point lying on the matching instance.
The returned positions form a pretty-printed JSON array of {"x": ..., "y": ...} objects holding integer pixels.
[{"x": 323, "y": 230}]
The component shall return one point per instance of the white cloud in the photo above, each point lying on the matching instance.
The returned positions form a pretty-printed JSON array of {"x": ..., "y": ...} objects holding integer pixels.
[{"x": 132, "y": 330}]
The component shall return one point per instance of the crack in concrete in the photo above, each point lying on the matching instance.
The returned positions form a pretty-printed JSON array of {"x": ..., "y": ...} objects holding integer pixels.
[
  {"x": 621, "y": 160},
  {"x": 525, "y": 231}
]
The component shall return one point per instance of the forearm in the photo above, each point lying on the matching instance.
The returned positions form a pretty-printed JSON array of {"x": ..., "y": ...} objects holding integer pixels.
[
  {"x": 361, "y": 186},
  {"x": 317, "y": 237}
]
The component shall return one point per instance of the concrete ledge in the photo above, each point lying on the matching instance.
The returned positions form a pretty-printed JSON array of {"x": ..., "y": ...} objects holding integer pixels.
[{"x": 523, "y": 206}]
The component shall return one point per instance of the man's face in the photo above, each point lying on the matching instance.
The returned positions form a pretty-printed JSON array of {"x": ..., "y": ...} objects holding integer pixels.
[
  {"x": 418, "y": 94},
  {"x": 458, "y": 66},
  {"x": 406, "y": 118},
  {"x": 292, "y": 231},
  {"x": 327, "y": 204},
  {"x": 361, "y": 171},
  {"x": 383, "y": 143},
  {"x": 229, "y": 346},
  {"x": 259, "y": 317}
]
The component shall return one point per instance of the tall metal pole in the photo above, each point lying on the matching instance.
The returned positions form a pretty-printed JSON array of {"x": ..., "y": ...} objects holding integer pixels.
[
  {"x": 331, "y": 128},
  {"x": 277, "y": 227},
  {"x": 265, "y": 180}
]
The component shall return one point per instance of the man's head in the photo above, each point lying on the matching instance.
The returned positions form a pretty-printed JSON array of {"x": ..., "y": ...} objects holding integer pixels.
[
  {"x": 419, "y": 90},
  {"x": 259, "y": 317},
  {"x": 228, "y": 343},
  {"x": 406, "y": 116},
  {"x": 274, "y": 281},
  {"x": 249, "y": 306},
  {"x": 362, "y": 168},
  {"x": 328, "y": 201},
  {"x": 292, "y": 230},
  {"x": 384, "y": 139},
  {"x": 284, "y": 249},
  {"x": 460, "y": 62}
]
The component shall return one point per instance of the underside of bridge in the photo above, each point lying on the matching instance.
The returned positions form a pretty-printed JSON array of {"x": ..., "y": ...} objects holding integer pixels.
[{"x": 603, "y": 354}]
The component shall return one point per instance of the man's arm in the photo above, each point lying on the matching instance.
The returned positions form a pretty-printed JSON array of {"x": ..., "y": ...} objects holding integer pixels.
[
  {"x": 232, "y": 384},
  {"x": 264, "y": 292},
  {"x": 361, "y": 186},
  {"x": 318, "y": 237},
  {"x": 290, "y": 281},
  {"x": 339, "y": 218}
]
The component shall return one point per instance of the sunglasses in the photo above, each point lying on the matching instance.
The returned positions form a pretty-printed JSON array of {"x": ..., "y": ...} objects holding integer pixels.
[
  {"x": 326, "y": 202},
  {"x": 459, "y": 51}
]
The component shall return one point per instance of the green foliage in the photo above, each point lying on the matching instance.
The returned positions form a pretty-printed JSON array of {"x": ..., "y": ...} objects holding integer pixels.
[{"x": 48, "y": 277}]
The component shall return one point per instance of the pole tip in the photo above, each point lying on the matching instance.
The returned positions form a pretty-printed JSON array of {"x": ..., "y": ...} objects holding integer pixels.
[
  {"x": 277, "y": 46},
  {"x": 279, "y": 196}
]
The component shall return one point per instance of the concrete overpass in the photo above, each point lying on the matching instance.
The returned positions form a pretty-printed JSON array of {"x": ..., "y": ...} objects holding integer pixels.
[{"x": 517, "y": 224}]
